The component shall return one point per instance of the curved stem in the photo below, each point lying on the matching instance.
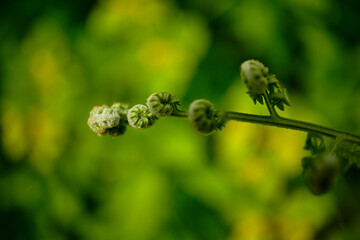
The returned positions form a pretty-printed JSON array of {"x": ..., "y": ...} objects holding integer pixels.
[
  {"x": 292, "y": 124},
  {"x": 269, "y": 106},
  {"x": 180, "y": 114}
]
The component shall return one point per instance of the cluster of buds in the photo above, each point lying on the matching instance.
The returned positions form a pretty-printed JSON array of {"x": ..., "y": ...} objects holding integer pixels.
[
  {"x": 259, "y": 82},
  {"x": 320, "y": 170},
  {"x": 113, "y": 120}
]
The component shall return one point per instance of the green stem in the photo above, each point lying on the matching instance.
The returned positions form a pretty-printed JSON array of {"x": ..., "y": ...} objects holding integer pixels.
[
  {"x": 269, "y": 106},
  {"x": 292, "y": 124},
  {"x": 180, "y": 114},
  {"x": 275, "y": 120}
]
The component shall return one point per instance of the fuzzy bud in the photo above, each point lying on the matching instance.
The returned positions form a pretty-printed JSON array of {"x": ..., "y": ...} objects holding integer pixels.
[
  {"x": 103, "y": 118},
  {"x": 254, "y": 75},
  {"x": 140, "y": 117}
]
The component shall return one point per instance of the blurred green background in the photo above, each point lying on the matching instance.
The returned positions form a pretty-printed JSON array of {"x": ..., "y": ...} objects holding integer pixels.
[{"x": 58, "y": 59}]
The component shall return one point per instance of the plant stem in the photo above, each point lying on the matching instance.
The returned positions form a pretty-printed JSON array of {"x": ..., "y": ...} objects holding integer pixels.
[
  {"x": 277, "y": 121},
  {"x": 269, "y": 106},
  {"x": 292, "y": 124},
  {"x": 180, "y": 114}
]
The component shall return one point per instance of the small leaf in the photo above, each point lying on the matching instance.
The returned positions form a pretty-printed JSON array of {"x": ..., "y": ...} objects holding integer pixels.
[
  {"x": 256, "y": 98},
  {"x": 280, "y": 105},
  {"x": 285, "y": 97},
  {"x": 260, "y": 99}
]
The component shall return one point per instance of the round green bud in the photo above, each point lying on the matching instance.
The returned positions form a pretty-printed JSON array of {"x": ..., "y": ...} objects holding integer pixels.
[
  {"x": 254, "y": 75},
  {"x": 103, "y": 118},
  {"x": 140, "y": 117},
  {"x": 202, "y": 117},
  {"x": 162, "y": 104},
  {"x": 320, "y": 172}
]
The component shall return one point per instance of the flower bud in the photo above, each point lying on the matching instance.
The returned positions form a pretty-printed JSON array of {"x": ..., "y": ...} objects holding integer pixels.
[
  {"x": 140, "y": 117},
  {"x": 162, "y": 104},
  {"x": 202, "y": 117},
  {"x": 122, "y": 109},
  {"x": 254, "y": 75},
  {"x": 320, "y": 172},
  {"x": 103, "y": 118}
]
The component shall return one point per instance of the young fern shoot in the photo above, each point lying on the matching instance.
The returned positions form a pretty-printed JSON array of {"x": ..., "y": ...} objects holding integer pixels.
[{"x": 332, "y": 151}]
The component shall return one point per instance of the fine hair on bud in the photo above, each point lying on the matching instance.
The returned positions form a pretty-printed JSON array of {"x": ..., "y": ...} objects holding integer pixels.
[
  {"x": 140, "y": 117},
  {"x": 162, "y": 104},
  {"x": 103, "y": 118},
  {"x": 202, "y": 117}
]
